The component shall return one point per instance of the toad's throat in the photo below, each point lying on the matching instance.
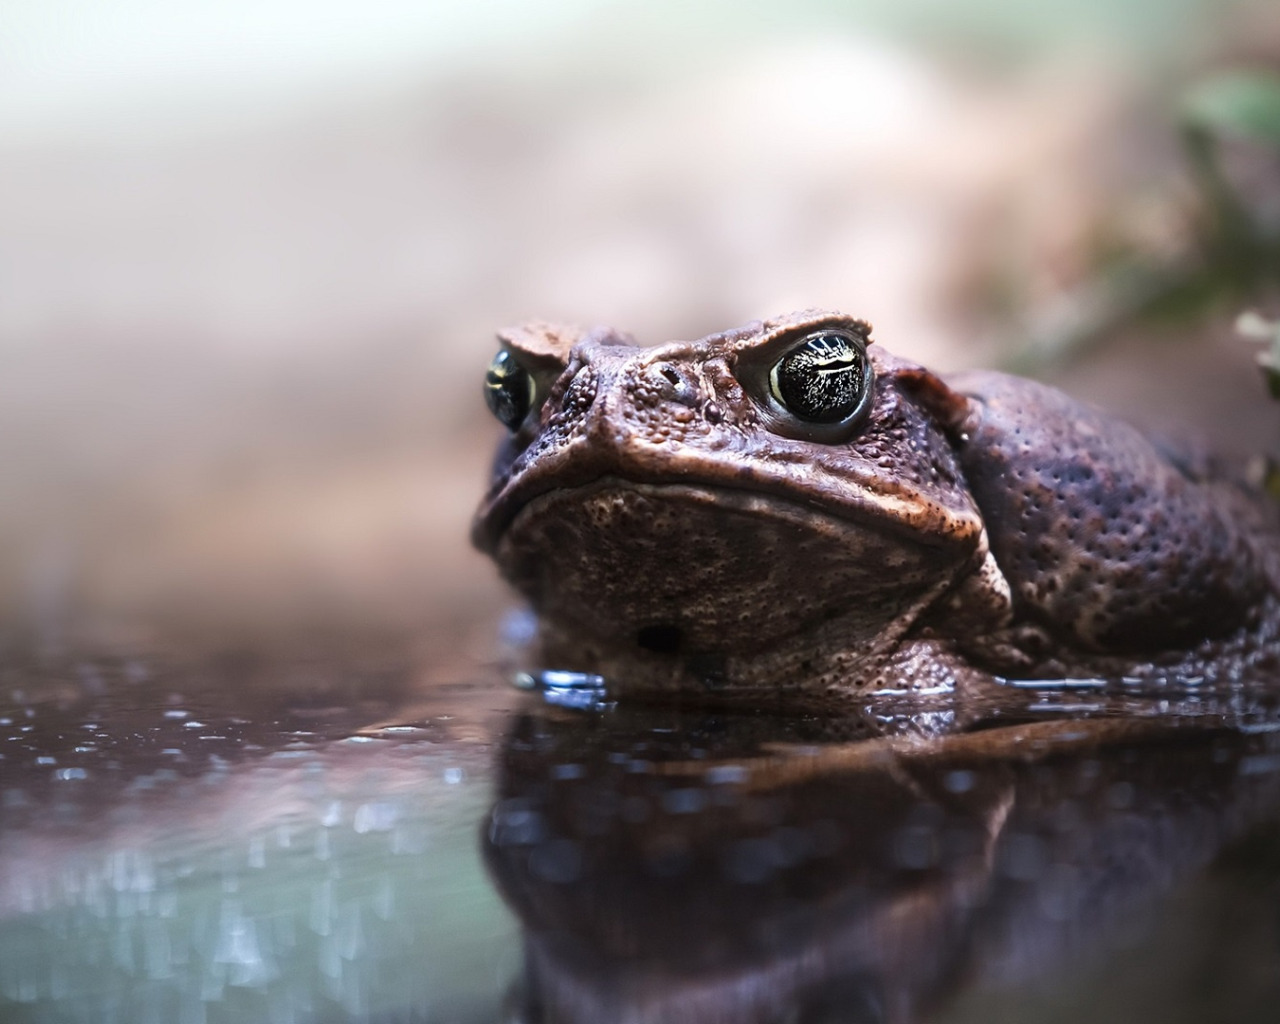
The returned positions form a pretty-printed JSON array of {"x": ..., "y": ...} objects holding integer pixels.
[{"x": 710, "y": 569}]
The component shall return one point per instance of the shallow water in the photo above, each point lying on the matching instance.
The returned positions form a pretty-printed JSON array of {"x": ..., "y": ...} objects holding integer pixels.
[{"x": 190, "y": 845}]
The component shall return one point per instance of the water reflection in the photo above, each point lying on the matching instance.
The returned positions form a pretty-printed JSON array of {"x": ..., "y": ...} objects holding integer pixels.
[
  {"x": 185, "y": 849},
  {"x": 203, "y": 846},
  {"x": 676, "y": 867}
]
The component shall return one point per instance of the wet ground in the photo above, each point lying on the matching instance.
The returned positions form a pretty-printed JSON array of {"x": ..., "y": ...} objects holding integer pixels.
[{"x": 266, "y": 840}]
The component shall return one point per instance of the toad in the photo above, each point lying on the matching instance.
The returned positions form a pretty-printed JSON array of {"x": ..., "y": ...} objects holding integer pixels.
[{"x": 788, "y": 509}]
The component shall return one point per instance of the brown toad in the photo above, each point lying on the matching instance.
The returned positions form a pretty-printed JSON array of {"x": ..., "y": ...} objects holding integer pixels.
[{"x": 786, "y": 508}]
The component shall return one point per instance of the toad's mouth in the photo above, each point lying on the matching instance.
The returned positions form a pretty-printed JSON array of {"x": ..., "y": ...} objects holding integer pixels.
[
  {"x": 865, "y": 497},
  {"x": 706, "y": 568}
]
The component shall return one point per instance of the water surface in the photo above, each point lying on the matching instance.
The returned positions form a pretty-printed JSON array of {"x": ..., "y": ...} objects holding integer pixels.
[{"x": 196, "y": 844}]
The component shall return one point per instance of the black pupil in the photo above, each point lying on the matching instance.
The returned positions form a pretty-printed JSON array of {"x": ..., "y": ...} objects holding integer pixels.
[
  {"x": 506, "y": 390},
  {"x": 821, "y": 380}
]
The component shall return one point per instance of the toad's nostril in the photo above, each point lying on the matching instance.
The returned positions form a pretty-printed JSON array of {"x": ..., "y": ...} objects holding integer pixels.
[{"x": 673, "y": 383}]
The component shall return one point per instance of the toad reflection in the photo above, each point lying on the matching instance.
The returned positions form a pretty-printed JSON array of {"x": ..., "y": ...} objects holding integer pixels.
[{"x": 722, "y": 869}]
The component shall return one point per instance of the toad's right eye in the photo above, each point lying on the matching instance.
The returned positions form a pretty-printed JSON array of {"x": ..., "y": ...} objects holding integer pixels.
[
  {"x": 825, "y": 379},
  {"x": 508, "y": 390}
]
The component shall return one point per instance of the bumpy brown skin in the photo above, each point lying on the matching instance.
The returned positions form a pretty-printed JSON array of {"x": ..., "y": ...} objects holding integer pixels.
[{"x": 679, "y": 533}]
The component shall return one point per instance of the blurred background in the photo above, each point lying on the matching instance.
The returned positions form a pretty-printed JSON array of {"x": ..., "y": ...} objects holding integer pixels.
[{"x": 252, "y": 256}]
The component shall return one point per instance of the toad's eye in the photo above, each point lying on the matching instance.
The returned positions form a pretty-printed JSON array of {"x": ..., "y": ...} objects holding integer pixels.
[
  {"x": 823, "y": 379},
  {"x": 508, "y": 390}
]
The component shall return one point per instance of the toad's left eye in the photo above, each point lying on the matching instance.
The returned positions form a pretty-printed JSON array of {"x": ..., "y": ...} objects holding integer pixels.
[
  {"x": 823, "y": 379},
  {"x": 508, "y": 390}
]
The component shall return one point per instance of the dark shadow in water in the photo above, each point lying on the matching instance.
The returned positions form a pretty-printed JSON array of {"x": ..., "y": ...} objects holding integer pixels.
[{"x": 676, "y": 867}]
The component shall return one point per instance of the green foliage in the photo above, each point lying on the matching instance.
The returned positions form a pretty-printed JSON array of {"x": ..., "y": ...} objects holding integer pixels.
[
  {"x": 1235, "y": 260},
  {"x": 1240, "y": 256},
  {"x": 1241, "y": 104}
]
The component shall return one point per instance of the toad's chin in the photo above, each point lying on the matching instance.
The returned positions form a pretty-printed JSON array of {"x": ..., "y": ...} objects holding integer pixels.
[{"x": 677, "y": 568}]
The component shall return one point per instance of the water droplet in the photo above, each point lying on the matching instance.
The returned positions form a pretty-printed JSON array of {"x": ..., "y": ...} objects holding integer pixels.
[
  {"x": 258, "y": 852},
  {"x": 684, "y": 801},
  {"x": 518, "y": 628},
  {"x": 915, "y": 847},
  {"x": 726, "y": 774},
  {"x": 514, "y": 823},
  {"x": 959, "y": 781},
  {"x": 375, "y": 817},
  {"x": 237, "y": 947},
  {"x": 572, "y": 680},
  {"x": 1260, "y": 764}
]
